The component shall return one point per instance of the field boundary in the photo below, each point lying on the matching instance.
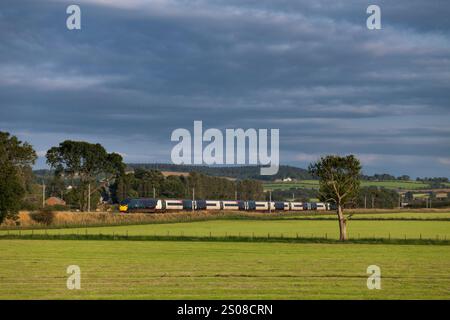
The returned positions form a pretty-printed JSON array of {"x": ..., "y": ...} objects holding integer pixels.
[
  {"x": 186, "y": 217},
  {"x": 318, "y": 218},
  {"x": 222, "y": 218},
  {"x": 230, "y": 238}
]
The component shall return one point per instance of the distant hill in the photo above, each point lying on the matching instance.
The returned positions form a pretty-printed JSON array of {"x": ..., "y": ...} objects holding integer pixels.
[
  {"x": 242, "y": 172},
  {"x": 42, "y": 174},
  {"x": 285, "y": 171}
]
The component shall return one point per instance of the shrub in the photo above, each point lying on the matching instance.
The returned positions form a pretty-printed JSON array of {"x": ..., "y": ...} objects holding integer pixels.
[
  {"x": 44, "y": 216},
  {"x": 29, "y": 205},
  {"x": 59, "y": 207}
]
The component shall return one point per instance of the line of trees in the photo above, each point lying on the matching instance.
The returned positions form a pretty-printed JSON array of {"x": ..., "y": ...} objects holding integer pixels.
[
  {"x": 385, "y": 177},
  {"x": 236, "y": 172},
  {"x": 435, "y": 179},
  {"x": 150, "y": 183},
  {"x": 380, "y": 198},
  {"x": 302, "y": 195}
]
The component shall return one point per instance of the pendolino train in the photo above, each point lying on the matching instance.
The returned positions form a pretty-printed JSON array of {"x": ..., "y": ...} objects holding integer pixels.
[{"x": 146, "y": 205}]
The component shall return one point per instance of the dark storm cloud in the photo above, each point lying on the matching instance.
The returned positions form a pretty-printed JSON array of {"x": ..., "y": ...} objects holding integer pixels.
[{"x": 139, "y": 69}]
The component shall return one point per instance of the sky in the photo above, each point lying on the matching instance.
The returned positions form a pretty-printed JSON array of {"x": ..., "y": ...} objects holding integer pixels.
[{"x": 137, "y": 70}]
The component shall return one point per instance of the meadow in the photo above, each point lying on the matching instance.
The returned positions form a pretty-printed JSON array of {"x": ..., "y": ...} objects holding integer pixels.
[
  {"x": 234, "y": 269},
  {"x": 407, "y": 215},
  {"x": 314, "y": 184},
  {"x": 284, "y": 227},
  {"x": 36, "y": 269}
]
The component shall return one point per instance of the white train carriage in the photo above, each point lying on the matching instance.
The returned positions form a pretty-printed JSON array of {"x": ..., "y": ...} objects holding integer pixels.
[
  {"x": 261, "y": 206},
  {"x": 213, "y": 205},
  {"x": 296, "y": 206},
  {"x": 233, "y": 205},
  {"x": 174, "y": 204},
  {"x": 207, "y": 205},
  {"x": 281, "y": 206},
  {"x": 320, "y": 206}
]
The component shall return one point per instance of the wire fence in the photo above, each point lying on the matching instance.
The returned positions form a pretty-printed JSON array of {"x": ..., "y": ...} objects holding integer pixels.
[{"x": 245, "y": 237}]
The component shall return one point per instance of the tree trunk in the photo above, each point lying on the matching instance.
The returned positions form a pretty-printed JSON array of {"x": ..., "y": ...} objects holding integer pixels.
[{"x": 342, "y": 224}]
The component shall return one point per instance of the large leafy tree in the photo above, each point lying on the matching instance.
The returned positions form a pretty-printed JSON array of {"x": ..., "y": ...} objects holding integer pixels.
[
  {"x": 123, "y": 188},
  {"x": 250, "y": 190},
  {"x": 85, "y": 164},
  {"x": 143, "y": 182},
  {"x": 173, "y": 187},
  {"x": 339, "y": 183},
  {"x": 147, "y": 181},
  {"x": 16, "y": 159}
]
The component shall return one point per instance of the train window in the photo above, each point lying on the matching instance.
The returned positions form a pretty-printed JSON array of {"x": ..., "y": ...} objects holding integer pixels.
[{"x": 174, "y": 204}]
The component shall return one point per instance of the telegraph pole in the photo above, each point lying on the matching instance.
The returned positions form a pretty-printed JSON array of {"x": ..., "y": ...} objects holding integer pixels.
[
  {"x": 270, "y": 201},
  {"x": 154, "y": 193},
  {"x": 193, "y": 199},
  {"x": 89, "y": 197},
  {"x": 373, "y": 202},
  {"x": 365, "y": 202},
  {"x": 43, "y": 193}
]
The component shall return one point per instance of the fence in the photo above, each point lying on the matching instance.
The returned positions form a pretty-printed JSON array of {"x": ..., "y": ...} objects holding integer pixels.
[{"x": 305, "y": 238}]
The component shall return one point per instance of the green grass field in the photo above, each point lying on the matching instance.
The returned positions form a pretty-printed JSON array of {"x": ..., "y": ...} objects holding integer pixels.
[
  {"x": 275, "y": 228},
  {"x": 314, "y": 184},
  {"x": 36, "y": 269},
  {"x": 32, "y": 269},
  {"x": 384, "y": 216}
]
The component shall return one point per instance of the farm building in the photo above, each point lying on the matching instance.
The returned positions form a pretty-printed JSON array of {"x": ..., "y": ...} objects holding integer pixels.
[
  {"x": 53, "y": 201},
  {"x": 174, "y": 173}
]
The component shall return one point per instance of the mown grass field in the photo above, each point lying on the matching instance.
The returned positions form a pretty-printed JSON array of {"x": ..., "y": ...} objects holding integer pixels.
[
  {"x": 288, "y": 227},
  {"x": 314, "y": 184},
  {"x": 35, "y": 269},
  {"x": 121, "y": 269},
  {"x": 381, "y": 216}
]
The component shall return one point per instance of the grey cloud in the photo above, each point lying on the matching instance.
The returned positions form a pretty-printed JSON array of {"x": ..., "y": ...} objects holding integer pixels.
[{"x": 140, "y": 69}]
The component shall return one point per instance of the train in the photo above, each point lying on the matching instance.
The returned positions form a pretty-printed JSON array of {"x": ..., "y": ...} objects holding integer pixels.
[{"x": 149, "y": 205}]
